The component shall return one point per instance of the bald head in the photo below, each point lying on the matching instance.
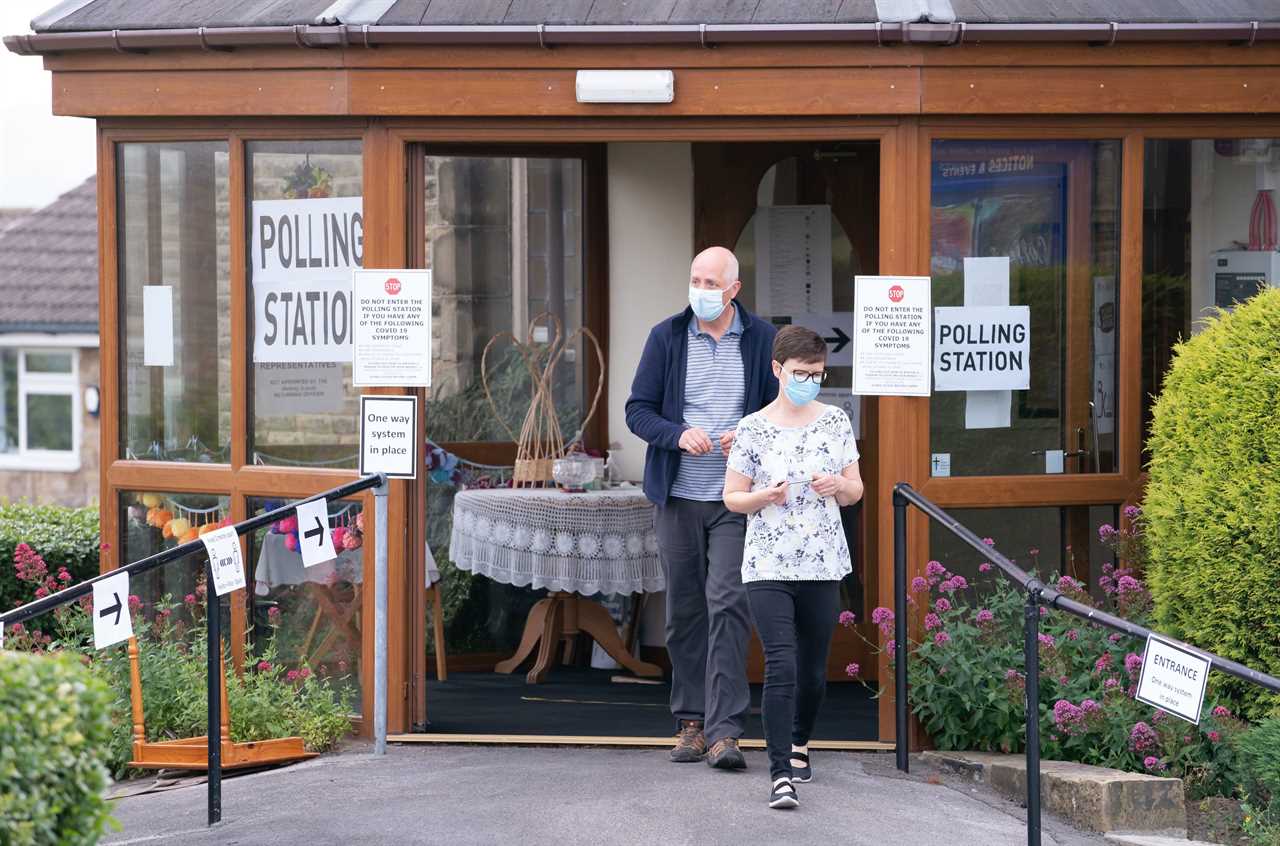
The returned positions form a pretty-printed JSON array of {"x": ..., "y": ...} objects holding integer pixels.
[{"x": 715, "y": 265}]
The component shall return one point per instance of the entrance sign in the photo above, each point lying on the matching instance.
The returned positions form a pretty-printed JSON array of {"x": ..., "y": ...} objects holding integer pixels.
[
  {"x": 225, "y": 562},
  {"x": 1173, "y": 679},
  {"x": 891, "y": 335},
  {"x": 388, "y": 436},
  {"x": 314, "y": 538},
  {"x": 111, "y": 620},
  {"x": 302, "y": 254},
  {"x": 983, "y": 348},
  {"x": 392, "y": 328}
]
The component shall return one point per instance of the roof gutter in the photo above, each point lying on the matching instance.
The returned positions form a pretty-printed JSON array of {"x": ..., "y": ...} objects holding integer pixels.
[{"x": 706, "y": 35}]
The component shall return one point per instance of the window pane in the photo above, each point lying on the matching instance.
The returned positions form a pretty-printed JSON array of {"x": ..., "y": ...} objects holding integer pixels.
[
  {"x": 311, "y": 613},
  {"x": 504, "y": 242},
  {"x": 49, "y": 423},
  {"x": 306, "y": 235},
  {"x": 48, "y": 362},
  {"x": 1052, "y": 209},
  {"x": 1208, "y": 239},
  {"x": 8, "y": 400},
  {"x": 153, "y": 522},
  {"x": 175, "y": 301}
]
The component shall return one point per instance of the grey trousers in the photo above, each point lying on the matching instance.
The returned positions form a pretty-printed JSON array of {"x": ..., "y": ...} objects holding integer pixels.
[{"x": 708, "y": 616}]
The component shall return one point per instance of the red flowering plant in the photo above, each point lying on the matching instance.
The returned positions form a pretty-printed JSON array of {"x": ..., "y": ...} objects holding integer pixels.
[{"x": 968, "y": 686}]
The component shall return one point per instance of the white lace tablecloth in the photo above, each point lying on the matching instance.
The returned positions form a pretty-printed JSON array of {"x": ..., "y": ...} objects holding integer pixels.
[{"x": 587, "y": 543}]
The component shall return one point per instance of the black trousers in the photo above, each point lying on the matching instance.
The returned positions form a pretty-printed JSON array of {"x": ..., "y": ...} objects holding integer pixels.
[
  {"x": 708, "y": 622},
  {"x": 795, "y": 621}
]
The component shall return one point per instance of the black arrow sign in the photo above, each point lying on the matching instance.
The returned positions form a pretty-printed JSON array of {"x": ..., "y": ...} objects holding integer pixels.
[
  {"x": 106, "y": 612},
  {"x": 317, "y": 533},
  {"x": 841, "y": 340}
]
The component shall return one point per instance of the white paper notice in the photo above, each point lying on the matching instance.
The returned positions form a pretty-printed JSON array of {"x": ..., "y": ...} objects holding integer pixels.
[
  {"x": 302, "y": 253},
  {"x": 940, "y": 464},
  {"x": 891, "y": 336},
  {"x": 157, "y": 325},
  {"x": 1173, "y": 679},
  {"x": 834, "y": 329},
  {"x": 111, "y": 620},
  {"x": 793, "y": 259},
  {"x": 314, "y": 537},
  {"x": 986, "y": 283},
  {"x": 1053, "y": 461},
  {"x": 285, "y": 389},
  {"x": 393, "y": 328},
  {"x": 223, "y": 546},
  {"x": 388, "y": 436}
]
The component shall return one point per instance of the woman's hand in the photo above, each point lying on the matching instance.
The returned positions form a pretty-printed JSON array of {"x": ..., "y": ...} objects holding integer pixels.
[
  {"x": 828, "y": 485},
  {"x": 776, "y": 495}
]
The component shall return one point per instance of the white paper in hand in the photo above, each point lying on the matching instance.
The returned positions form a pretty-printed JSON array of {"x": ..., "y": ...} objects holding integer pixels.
[
  {"x": 314, "y": 538},
  {"x": 225, "y": 562},
  {"x": 111, "y": 620}
]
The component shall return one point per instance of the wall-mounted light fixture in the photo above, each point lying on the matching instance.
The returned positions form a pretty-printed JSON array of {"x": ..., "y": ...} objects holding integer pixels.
[
  {"x": 92, "y": 400},
  {"x": 626, "y": 86}
]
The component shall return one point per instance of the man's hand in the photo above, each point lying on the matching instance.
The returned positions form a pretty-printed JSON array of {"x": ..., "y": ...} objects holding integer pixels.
[
  {"x": 726, "y": 441},
  {"x": 776, "y": 495},
  {"x": 827, "y": 485},
  {"x": 695, "y": 441}
]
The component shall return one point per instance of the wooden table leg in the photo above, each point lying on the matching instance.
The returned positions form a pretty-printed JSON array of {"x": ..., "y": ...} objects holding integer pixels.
[
  {"x": 595, "y": 621},
  {"x": 551, "y": 630},
  {"x": 533, "y": 627}
]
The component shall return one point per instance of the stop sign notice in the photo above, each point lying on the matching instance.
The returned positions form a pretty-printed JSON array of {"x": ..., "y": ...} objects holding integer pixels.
[
  {"x": 896, "y": 293},
  {"x": 392, "y": 286}
]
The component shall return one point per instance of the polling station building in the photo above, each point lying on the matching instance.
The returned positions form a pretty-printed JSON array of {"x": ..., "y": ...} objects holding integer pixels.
[{"x": 1076, "y": 184}]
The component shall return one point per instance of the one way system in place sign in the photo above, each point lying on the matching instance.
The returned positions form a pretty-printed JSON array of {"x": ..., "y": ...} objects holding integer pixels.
[
  {"x": 111, "y": 620},
  {"x": 314, "y": 536}
]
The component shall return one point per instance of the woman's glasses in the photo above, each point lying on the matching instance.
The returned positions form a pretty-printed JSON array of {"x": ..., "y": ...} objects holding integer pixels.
[{"x": 802, "y": 376}]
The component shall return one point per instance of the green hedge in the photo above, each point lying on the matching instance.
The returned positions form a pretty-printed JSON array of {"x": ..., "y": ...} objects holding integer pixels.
[
  {"x": 64, "y": 537},
  {"x": 1213, "y": 501},
  {"x": 54, "y": 734}
]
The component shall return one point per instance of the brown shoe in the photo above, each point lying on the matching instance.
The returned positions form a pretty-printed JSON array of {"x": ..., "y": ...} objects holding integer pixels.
[
  {"x": 690, "y": 746},
  {"x": 725, "y": 755}
]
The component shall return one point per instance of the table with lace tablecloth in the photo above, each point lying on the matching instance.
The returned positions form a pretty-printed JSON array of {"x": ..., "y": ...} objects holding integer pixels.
[{"x": 574, "y": 545}]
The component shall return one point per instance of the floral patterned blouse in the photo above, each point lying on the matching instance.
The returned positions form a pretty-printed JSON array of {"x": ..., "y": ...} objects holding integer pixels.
[{"x": 802, "y": 539}]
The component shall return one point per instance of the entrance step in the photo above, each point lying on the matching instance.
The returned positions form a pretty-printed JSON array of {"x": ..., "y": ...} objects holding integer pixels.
[
  {"x": 1089, "y": 798},
  {"x": 1126, "y": 838}
]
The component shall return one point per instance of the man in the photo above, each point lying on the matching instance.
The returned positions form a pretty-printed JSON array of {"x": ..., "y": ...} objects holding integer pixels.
[{"x": 701, "y": 372}]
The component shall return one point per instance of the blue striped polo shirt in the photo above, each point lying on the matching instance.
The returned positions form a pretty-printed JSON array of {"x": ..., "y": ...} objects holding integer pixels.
[{"x": 714, "y": 397}]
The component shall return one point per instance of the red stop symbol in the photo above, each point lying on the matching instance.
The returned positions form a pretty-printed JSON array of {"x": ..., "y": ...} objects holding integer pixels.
[
  {"x": 392, "y": 286},
  {"x": 896, "y": 293}
]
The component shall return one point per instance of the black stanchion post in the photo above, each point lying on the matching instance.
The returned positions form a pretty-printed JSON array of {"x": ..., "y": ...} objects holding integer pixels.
[
  {"x": 213, "y": 624},
  {"x": 901, "y": 741},
  {"x": 1031, "y": 658}
]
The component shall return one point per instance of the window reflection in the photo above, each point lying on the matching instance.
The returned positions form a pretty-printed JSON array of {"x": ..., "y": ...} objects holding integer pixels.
[{"x": 153, "y": 521}]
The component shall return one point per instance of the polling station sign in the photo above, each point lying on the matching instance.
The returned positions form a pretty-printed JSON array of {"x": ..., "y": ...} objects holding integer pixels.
[
  {"x": 302, "y": 254},
  {"x": 982, "y": 348}
]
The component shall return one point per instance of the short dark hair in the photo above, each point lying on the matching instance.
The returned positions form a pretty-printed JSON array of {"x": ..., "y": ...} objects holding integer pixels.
[{"x": 799, "y": 343}]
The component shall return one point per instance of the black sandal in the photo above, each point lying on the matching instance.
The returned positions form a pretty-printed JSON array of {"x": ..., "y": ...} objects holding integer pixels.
[
  {"x": 803, "y": 773},
  {"x": 784, "y": 794}
]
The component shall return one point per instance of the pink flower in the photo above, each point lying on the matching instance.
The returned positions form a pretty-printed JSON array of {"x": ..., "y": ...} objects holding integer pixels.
[
  {"x": 882, "y": 617},
  {"x": 41, "y": 592},
  {"x": 1103, "y": 662},
  {"x": 16, "y": 629},
  {"x": 1073, "y": 634},
  {"x": 942, "y": 605},
  {"x": 352, "y": 540},
  {"x": 339, "y": 534},
  {"x": 1046, "y": 640},
  {"x": 63, "y": 575},
  {"x": 984, "y": 567},
  {"x": 1214, "y": 736},
  {"x": 954, "y": 583},
  {"x": 1221, "y": 711},
  {"x": 989, "y": 541},
  {"x": 165, "y": 612},
  {"x": 189, "y": 599},
  {"x": 304, "y": 673},
  {"x": 264, "y": 666},
  {"x": 852, "y": 670},
  {"x": 1151, "y": 762},
  {"x": 847, "y": 618},
  {"x": 291, "y": 543},
  {"x": 919, "y": 584},
  {"x": 273, "y": 614},
  {"x": 135, "y": 602},
  {"x": 985, "y": 616},
  {"x": 1111, "y": 683},
  {"x": 1115, "y": 638},
  {"x": 941, "y": 639},
  {"x": 287, "y": 526},
  {"x": 1131, "y": 512},
  {"x": 1128, "y": 584},
  {"x": 934, "y": 569},
  {"x": 932, "y": 621},
  {"x": 1142, "y": 737},
  {"x": 342, "y": 665},
  {"x": 1106, "y": 531},
  {"x": 1067, "y": 717},
  {"x": 292, "y": 675},
  {"x": 1132, "y": 663}
]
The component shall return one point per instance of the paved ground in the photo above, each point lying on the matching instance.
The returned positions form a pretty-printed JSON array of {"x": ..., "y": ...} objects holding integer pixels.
[{"x": 563, "y": 796}]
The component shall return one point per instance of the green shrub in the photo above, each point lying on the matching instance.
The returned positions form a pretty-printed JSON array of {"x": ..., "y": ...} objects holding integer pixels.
[
  {"x": 66, "y": 537},
  {"x": 1213, "y": 500},
  {"x": 54, "y": 735},
  {"x": 1258, "y": 754}
]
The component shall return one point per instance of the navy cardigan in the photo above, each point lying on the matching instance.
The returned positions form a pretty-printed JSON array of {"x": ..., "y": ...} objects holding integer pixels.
[{"x": 655, "y": 410}]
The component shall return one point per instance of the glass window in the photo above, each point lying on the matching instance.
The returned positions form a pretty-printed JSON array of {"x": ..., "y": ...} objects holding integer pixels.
[
  {"x": 1209, "y": 239},
  {"x": 175, "y": 301},
  {"x": 311, "y": 615},
  {"x": 152, "y": 522},
  {"x": 306, "y": 235},
  {"x": 1052, "y": 209},
  {"x": 39, "y": 408}
]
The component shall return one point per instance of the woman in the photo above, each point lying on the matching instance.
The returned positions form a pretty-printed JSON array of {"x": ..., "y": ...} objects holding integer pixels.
[{"x": 792, "y": 465}]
